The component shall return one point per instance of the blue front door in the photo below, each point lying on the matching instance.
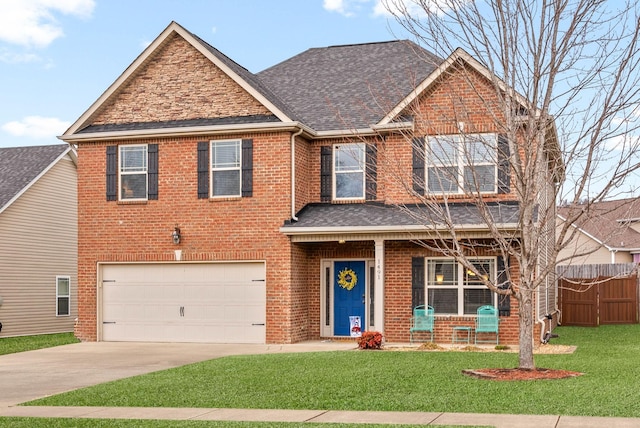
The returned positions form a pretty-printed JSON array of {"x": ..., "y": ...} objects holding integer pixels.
[{"x": 348, "y": 295}]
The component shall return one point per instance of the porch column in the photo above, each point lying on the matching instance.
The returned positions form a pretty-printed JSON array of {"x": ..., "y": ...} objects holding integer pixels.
[{"x": 379, "y": 285}]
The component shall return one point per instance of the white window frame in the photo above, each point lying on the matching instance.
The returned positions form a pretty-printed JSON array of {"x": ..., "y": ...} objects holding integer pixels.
[
  {"x": 235, "y": 166},
  {"x": 461, "y": 161},
  {"x": 122, "y": 172},
  {"x": 62, "y": 296},
  {"x": 432, "y": 282},
  {"x": 359, "y": 168}
]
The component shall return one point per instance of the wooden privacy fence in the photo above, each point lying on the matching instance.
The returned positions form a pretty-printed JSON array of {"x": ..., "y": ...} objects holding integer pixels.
[{"x": 599, "y": 300}]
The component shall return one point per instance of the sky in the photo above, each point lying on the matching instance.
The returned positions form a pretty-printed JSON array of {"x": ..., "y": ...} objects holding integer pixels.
[{"x": 58, "y": 56}]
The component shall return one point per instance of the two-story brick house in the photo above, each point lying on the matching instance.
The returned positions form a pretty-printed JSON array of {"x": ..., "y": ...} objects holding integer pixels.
[{"x": 217, "y": 205}]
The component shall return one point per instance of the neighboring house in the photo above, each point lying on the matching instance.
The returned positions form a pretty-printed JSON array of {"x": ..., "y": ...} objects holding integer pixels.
[
  {"x": 608, "y": 233},
  {"x": 218, "y": 205},
  {"x": 39, "y": 245}
]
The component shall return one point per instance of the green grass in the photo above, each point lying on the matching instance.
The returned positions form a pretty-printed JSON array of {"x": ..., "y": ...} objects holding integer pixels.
[
  {"x": 394, "y": 381},
  {"x": 11, "y": 345}
]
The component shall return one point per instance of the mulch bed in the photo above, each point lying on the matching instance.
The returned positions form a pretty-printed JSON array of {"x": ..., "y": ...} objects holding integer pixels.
[{"x": 520, "y": 374}]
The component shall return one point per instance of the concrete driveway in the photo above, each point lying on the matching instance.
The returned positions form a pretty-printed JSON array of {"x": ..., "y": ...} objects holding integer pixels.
[{"x": 35, "y": 374}]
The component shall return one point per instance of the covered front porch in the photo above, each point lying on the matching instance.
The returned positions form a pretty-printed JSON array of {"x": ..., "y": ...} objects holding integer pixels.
[{"x": 364, "y": 265}]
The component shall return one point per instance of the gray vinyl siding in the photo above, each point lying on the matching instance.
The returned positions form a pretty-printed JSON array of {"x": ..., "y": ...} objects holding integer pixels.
[{"x": 39, "y": 241}]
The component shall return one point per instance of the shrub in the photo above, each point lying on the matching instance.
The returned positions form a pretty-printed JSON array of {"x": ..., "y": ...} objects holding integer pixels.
[{"x": 370, "y": 340}]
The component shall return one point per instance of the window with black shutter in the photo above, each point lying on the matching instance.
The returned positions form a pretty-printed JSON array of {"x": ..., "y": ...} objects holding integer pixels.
[
  {"x": 225, "y": 168},
  {"x": 132, "y": 172}
]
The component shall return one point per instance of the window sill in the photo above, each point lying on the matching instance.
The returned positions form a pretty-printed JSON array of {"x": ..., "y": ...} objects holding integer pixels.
[
  {"x": 138, "y": 202},
  {"x": 225, "y": 199}
]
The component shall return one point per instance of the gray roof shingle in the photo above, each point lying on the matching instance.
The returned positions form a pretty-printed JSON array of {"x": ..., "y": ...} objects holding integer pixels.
[
  {"x": 19, "y": 166},
  {"x": 381, "y": 215},
  {"x": 350, "y": 86}
]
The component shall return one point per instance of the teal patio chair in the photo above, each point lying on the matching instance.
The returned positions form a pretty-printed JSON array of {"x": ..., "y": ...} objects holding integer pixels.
[
  {"x": 487, "y": 323},
  {"x": 422, "y": 321}
]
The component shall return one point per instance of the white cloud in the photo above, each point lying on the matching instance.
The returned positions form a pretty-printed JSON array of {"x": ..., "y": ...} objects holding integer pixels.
[
  {"x": 344, "y": 7},
  {"x": 32, "y": 22},
  {"x": 36, "y": 127},
  {"x": 413, "y": 8},
  {"x": 10, "y": 57}
]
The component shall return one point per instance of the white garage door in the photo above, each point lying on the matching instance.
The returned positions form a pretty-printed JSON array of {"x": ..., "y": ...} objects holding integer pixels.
[{"x": 213, "y": 303}]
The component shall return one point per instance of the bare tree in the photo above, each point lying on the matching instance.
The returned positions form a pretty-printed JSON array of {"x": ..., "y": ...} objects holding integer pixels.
[{"x": 563, "y": 93}]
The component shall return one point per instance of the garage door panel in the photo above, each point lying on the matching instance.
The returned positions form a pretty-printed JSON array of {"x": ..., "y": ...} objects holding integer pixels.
[{"x": 215, "y": 303}]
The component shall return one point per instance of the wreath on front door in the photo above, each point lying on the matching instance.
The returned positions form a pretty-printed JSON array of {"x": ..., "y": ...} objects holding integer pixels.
[{"x": 347, "y": 279}]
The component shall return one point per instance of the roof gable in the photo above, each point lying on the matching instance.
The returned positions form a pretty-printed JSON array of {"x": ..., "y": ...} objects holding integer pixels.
[
  {"x": 610, "y": 223},
  {"x": 158, "y": 87},
  {"x": 20, "y": 167},
  {"x": 459, "y": 55}
]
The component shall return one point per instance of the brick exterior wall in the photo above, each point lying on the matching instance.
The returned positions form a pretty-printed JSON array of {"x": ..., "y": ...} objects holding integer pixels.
[{"x": 212, "y": 230}]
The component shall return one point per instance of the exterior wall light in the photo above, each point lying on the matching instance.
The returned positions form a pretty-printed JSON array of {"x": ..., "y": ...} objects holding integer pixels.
[{"x": 176, "y": 235}]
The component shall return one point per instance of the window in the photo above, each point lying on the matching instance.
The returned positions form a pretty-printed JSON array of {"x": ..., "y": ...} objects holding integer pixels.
[
  {"x": 133, "y": 172},
  {"x": 451, "y": 289},
  {"x": 349, "y": 171},
  {"x": 462, "y": 163},
  {"x": 225, "y": 168},
  {"x": 63, "y": 296}
]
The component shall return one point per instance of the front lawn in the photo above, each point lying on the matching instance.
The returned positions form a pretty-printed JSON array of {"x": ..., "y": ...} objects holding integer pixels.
[
  {"x": 11, "y": 345},
  {"x": 394, "y": 381}
]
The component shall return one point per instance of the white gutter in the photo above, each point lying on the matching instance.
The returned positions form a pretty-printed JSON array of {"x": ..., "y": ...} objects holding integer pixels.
[
  {"x": 293, "y": 174},
  {"x": 382, "y": 229}
]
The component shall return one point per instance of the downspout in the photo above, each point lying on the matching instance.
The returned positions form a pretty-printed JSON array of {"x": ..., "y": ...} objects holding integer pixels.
[{"x": 293, "y": 174}]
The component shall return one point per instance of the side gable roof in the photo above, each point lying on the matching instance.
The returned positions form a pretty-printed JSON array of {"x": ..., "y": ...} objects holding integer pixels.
[
  {"x": 21, "y": 167},
  {"x": 349, "y": 86},
  {"x": 609, "y": 223},
  {"x": 238, "y": 74}
]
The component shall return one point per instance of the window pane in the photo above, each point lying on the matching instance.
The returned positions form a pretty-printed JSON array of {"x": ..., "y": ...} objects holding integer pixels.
[
  {"x": 442, "y": 179},
  {"x": 484, "y": 267},
  {"x": 63, "y": 306},
  {"x": 480, "y": 149},
  {"x": 133, "y": 186},
  {"x": 443, "y": 151},
  {"x": 474, "y": 298},
  {"x": 442, "y": 272},
  {"x": 226, "y": 154},
  {"x": 349, "y": 157},
  {"x": 226, "y": 183},
  {"x": 484, "y": 180},
  {"x": 63, "y": 287},
  {"x": 350, "y": 185},
  {"x": 133, "y": 158},
  {"x": 443, "y": 301}
]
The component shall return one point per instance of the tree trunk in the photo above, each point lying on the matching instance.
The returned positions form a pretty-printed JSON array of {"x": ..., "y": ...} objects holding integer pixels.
[{"x": 525, "y": 313}]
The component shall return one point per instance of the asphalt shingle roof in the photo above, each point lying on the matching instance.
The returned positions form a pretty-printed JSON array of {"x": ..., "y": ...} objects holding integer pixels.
[
  {"x": 608, "y": 221},
  {"x": 350, "y": 86},
  {"x": 380, "y": 215},
  {"x": 19, "y": 166}
]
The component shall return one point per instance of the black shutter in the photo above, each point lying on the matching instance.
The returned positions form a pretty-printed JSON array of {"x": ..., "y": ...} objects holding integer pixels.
[
  {"x": 247, "y": 168},
  {"x": 152, "y": 171},
  {"x": 417, "y": 282},
  {"x": 326, "y": 171},
  {"x": 418, "y": 161},
  {"x": 371, "y": 172},
  {"x": 504, "y": 171},
  {"x": 112, "y": 173},
  {"x": 504, "y": 301},
  {"x": 203, "y": 169}
]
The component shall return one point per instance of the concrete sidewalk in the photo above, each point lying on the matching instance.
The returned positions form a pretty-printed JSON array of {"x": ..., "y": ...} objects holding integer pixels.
[{"x": 321, "y": 416}]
